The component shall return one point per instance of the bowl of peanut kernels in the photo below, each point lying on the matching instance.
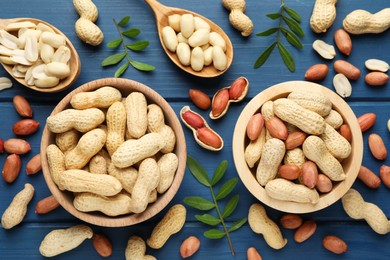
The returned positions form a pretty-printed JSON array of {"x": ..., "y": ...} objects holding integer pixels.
[
  {"x": 113, "y": 152},
  {"x": 297, "y": 147}
]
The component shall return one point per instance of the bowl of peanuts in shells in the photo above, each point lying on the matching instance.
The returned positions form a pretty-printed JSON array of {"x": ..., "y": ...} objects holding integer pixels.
[
  {"x": 297, "y": 147},
  {"x": 113, "y": 152}
]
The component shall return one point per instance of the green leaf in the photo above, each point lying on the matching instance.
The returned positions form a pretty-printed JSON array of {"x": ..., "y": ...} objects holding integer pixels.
[
  {"x": 292, "y": 38},
  {"x": 113, "y": 59},
  {"x": 230, "y": 206},
  {"x": 267, "y": 32},
  {"x": 219, "y": 172},
  {"x": 274, "y": 16},
  {"x": 141, "y": 66},
  {"x": 199, "y": 203},
  {"x": 214, "y": 234},
  {"x": 294, "y": 26},
  {"x": 264, "y": 56},
  {"x": 226, "y": 188},
  {"x": 286, "y": 56},
  {"x": 294, "y": 14},
  {"x": 121, "y": 70},
  {"x": 138, "y": 46},
  {"x": 124, "y": 21},
  {"x": 133, "y": 32},
  {"x": 236, "y": 225},
  {"x": 208, "y": 219},
  {"x": 114, "y": 43},
  {"x": 198, "y": 171}
]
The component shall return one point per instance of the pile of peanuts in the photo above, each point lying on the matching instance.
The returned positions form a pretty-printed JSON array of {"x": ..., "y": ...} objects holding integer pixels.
[
  {"x": 193, "y": 42},
  {"x": 115, "y": 161},
  {"x": 296, "y": 147},
  {"x": 37, "y": 53}
]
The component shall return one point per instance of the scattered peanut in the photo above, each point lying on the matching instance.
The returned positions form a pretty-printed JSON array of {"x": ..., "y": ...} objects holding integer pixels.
[
  {"x": 17, "y": 146},
  {"x": 377, "y": 65},
  {"x": 316, "y": 72},
  {"x": 346, "y": 68},
  {"x": 85, "y": 28},
  {"x": 17, "y": 209},
  {"x": 342, "y": 85},
  {"x": 199, "y": 98},
  {"x": 334, "y": 244},
  {"x": 11, "y": 168},
  {"x": 170, "y": 224},
  {"x": 25, "y": 127},
  {"x": 309, "y": 174},
  {"x": 237, "y": 18},
  {"x": 377, "y": 146},
  {"x": 369, "y": 178},
  {"x": 384, "y": 173},
  {"x": 324, "y": 49},
  {"x": 255, "y": 126},
  {"x": 355, "y": 206},
  {"x": 62, "y": 240},
  {"x": 260, "y": 223},
  {"x": 252, "y": 254},
  {"x": 291, "y": 221},
  {"x": 366, "y": 121},
  {"x": 362, "y": 21},
  {"x": 305, "y": 231},
  {"x": 324, "y": 184},
  {"x": 46, "y": 205},
  {"x": 34, "y": 165},
  {"x": 189, "y": 246},
  {"x": 323, "y": 16},
  {"x": 22, "y": 106},
  {"x": 376, "y": 78},
  {"x": 102, "y": 245}
]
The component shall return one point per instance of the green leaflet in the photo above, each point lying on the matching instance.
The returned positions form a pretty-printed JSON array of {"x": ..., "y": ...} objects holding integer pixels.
[
  {"x": 138, "y": 46},
  {"x": 135, "y": 46},
  {"x": 113, "y": 59},
  {"x": 214, "y": 234},
  {"x": 199, "y": 203},
  {"x": 286, "y": 56},
  {"x": 131, "y": 33},
  {"x": 288, "y": 27},
  {"x": 236, "y": 225},
  {"x": 121, "y": 70},
  {"x": 219, "y": 172},
  {"x": 208, "y": 219},
  {"x": 198, "y": 171},
  {"x": 226, "y": 188},
  {"x": 264, "y": 56},
  {"x": 230, "y": 206}
]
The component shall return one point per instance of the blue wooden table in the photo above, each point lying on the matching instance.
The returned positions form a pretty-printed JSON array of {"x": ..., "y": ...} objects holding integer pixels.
[{"x": 22, "y": 242}]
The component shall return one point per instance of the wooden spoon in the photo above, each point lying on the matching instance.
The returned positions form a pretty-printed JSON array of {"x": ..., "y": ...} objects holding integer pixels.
[
  {"x": 74, "y": 62},
  {"x": 162, "y": 12}
]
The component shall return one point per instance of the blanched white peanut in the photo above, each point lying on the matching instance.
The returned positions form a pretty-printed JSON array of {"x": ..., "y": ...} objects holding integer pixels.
[
  {"x": 219, "y": 58},
  {"x": 199, "y": 38},
  {"x": 217, "y": 40},
  {"x": 53, "y": 39},
  {"x": 43, "y": 28},
  {"x": 325, "y": 50},
  {"x": 174, "y": 22},
  {"x": 200, "y": 23},
  {"x": 197, "y": 59},
  {"x": 169, "y": 38},
  {"x": 46, "y": 53},
  {"x": 46, "y": 82},
  {"x": 62, "y": 54},
  {"x": 62, "y": 240},
  {"x": 183, "y": 52},
  {"x": 57, "y": 69},
  {"x": 19, "y": 25},
  {"x": 181, "y": 38},
  {"x": 187, "y": 25},
  {"x": 208, "y": 55},
  {"x": 377, "y": 65},
  {"x": 31, "y": 47},
  {"x": 342, "y": 85}
]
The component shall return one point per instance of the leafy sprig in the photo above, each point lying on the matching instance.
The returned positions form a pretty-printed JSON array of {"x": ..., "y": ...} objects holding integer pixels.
[
  {"x": 291, "y": 18},
  {"x": 134, "y": 46},
  {"x": 203, "y": 204}
]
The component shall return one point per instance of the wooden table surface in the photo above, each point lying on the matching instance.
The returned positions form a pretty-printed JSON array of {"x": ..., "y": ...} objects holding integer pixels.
[{"x": 22, "y": 242}]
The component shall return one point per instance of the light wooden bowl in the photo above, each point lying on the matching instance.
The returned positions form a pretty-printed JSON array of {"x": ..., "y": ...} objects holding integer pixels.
[
  {"x": 65, "y": 198},
  {"x": 351, "y": 165}
]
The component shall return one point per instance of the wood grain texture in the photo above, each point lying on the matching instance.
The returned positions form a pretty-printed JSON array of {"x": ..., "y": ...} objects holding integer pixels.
[{"x": 173, "y": 84}]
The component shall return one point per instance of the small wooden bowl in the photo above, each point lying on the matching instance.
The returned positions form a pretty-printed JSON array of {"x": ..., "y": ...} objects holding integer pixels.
[
  {"x": 65, "y": 198},
  {"x": 351, "y": 165}
]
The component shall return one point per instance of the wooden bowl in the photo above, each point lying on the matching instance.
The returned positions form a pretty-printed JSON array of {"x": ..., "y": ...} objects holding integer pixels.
[
  {"x": 351, "y": 164},
  {"x": 65, "y": 198}
]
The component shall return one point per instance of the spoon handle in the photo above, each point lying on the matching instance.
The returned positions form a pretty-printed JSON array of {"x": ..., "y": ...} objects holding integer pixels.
[{"x": 158, "y": 8}]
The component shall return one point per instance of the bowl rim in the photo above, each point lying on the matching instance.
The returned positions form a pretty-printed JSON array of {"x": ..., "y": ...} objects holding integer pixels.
[
  {"x": 249, "y": 180},
  {"x": 163, "y": 200}
]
